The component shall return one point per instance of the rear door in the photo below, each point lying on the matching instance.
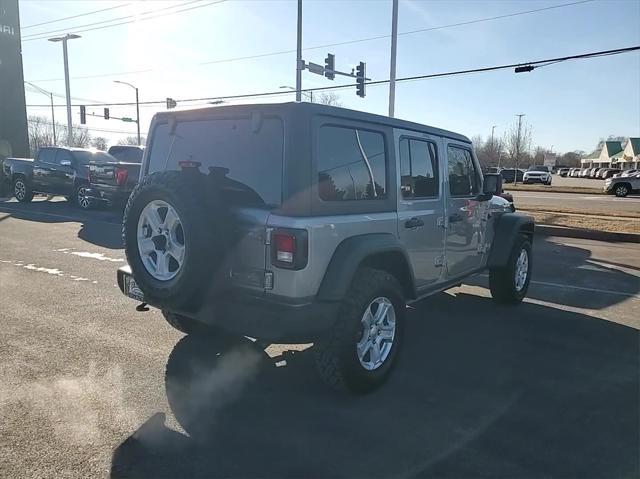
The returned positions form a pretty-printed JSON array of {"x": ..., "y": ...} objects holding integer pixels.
[
  {"x": 43, "y": 171},
  {"x": 421, "y": 205},
  {"x": 466, "y": 217},
  {"x": 64, "y": 174}
]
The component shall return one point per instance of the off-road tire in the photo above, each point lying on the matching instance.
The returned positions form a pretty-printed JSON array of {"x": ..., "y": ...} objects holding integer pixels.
[
  {"x": 28, "y": 192},
  {"x": 206, "y": 238},
  {"x": 502, "y": 280},
  {"x": 621, "y": 190},
  {"x": 335, "y": 354}
]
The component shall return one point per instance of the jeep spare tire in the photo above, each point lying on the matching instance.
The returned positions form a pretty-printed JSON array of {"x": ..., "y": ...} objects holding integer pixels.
[{"x": 174, "y": 236}]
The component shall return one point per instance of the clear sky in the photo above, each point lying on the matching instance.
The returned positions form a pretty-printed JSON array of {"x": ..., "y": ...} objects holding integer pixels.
[{"x": 569, "y": 105}]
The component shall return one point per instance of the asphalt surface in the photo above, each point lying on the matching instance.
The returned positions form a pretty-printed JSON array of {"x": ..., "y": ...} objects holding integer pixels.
[
  {"x": 546, "y": 389},
  {"x": 596, "y": 204}
]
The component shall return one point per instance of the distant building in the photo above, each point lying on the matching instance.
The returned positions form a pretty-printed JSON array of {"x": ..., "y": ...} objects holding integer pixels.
[
  {"x": 607, "y": 157},
  {"x": 630, "y": 159}
]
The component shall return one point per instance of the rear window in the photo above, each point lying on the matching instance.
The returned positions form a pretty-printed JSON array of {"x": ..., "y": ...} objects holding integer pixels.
[
  {"x": 126, "y": 154},
  {"x": 251, "y": 151},
  {"x": 85, "y": 157}
]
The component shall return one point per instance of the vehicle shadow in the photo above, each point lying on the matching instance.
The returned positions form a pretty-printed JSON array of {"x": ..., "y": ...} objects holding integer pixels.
[
  {"x": 571, "y": 276},
  {"x": 100, "y": 226},
  {"x": 478, "y": 391}
]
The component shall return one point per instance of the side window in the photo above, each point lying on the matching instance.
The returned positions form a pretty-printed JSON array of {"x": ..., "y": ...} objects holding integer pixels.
[
  {"x": 418, "y": 169},
  {"x": 351, "y": 164},
  {"x": 47, "y": 155},
  {"x": 63, "y": 155},
  {"x": 463, "y": 177}
]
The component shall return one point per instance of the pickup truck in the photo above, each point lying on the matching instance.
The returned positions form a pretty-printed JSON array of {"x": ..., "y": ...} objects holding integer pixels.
[
  {"x": 54, "y": 171},
  {"x": 112, "y": 181}
]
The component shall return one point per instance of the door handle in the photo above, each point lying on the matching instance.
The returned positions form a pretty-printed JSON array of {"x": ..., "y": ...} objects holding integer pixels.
[
  {"x": 413, "y": 223},
  {"x": 455, "y": 218}
]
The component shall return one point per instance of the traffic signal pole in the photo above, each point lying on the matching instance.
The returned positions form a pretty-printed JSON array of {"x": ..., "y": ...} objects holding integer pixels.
[
  {"x": 394, "y": 45},
  {"x": 299, "y": 55}
]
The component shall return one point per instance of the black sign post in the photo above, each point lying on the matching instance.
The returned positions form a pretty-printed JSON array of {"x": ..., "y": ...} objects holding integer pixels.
[{"x": 14, "y": 139}]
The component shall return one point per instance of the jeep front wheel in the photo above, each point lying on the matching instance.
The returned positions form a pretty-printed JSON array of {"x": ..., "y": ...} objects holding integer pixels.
[
  {"x": 509, "y": 284},
  {"x": 359, "y": 352}
]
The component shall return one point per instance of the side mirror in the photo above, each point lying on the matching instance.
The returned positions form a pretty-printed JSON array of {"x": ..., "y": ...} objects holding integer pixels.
[
  {"x": 65, "y": 163},
  {"x": 492, "y": 184}
]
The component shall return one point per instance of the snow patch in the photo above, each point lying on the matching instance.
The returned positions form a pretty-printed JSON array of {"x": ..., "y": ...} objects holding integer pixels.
[
  {"x": 87, "y": 254},
  {"x": 33, "y": 267}
]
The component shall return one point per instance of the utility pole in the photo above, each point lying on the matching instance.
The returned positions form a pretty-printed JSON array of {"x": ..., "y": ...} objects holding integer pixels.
[
  {"x": 392, "y": 72},
  {"x": 515, "y": 176},
  {"x": 493, "y": 146},
  {"x": 64, "y": 39},
  {"x": 299, "y": 55},
  {"x": 53, "y": 114}
]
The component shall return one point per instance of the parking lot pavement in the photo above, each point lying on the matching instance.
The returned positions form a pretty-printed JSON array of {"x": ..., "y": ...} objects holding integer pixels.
[
  {"x": 548, "y": 388},
  {"x": 596, "y": 204}
]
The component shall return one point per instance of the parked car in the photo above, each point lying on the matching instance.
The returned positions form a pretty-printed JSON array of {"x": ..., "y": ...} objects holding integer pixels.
[
  {"x": 239, "y": 225},
  {"x": 54, "y": 171},
  {"x": 113, "y": 179},
  {"x": 621, "y": 187},
  {"x": 563, "y": 172},
  {"x": 626, "y": 173},
  {"x": 537, "y": 174},
  {"x": 607, "y": 173},
  {"x": 573, "y": 173},
  {"x": 509, "y": 174},
  {"x": 594, "y": 172}
]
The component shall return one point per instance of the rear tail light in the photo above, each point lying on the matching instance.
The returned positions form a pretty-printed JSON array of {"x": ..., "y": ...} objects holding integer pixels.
[
  {"x": 289, "y": 248},
  {"x": 121, "y": 176}
]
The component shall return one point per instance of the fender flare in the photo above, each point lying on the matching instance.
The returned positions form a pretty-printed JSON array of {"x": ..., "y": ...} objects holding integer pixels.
[
  {"x": 352, "y": 252},
  {"x": 507, "y": 228}
]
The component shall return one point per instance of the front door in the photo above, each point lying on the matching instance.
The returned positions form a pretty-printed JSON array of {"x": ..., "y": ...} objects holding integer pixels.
[
  {"x": 65, "y": 174},
  {"x": 466, "y": 217},
  {"x": 421, "y": 206}
]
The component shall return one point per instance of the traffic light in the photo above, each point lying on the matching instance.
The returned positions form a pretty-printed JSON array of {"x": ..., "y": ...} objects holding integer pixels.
[
  {"x": 106, "y": 113},
  {"x": 330, "y": 66},
  {"x": 171, "y": 103},
  {"x": 361, "y": 74},
  {"x": 83, "y": 115}
]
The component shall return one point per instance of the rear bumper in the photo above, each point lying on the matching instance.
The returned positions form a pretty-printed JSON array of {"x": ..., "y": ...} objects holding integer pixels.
[
  {"x": 261, "y": 317},
  {"x": 109, "y": 194}
]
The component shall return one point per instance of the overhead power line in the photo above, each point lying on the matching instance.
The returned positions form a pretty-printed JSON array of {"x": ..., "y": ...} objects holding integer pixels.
[
  {"x": 133, "y": 18},
  {"x": 535, "y": 63},
  {"x": 328, "y": 45},
  {"x": 85, "y": 127},
  {"x": 74, "y": 16}
]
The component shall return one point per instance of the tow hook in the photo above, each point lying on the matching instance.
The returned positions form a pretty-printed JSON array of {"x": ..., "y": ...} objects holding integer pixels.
[{"x": 142, "y": 307}]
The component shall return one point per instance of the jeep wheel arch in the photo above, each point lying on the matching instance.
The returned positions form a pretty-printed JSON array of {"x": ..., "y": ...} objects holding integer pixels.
[
  {"x": 377, "y": 250},
  {"x": 507, "y": 229}
]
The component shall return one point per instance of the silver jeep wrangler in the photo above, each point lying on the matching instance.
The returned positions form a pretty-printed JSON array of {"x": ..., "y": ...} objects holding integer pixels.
[{"x": 307, "y": 223}]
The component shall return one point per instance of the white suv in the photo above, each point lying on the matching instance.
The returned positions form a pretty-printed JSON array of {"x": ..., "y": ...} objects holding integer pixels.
[{"x": 537, "y": 174}]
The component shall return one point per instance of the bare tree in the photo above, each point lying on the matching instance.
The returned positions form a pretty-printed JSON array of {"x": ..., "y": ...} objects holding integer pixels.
[
  {"x": 99, "y": 142},
  {"x": 131, "y": 140},
  {"x": 40, "y": 131},
  {"x": 517, "y": 143},
  {"x": 329, "y": 98}
]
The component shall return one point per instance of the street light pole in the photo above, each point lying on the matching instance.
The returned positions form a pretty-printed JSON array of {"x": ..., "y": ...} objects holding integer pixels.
[
  {"x": 53, "y": 114},
  {"x": 64, "y": 39},
  {"x": 392, "y": 72},
  {"x": 299, "y": 55},
  {"x": 137, "y": 105},
  {"x": 493, "y": 145},
  {"x": 310, "y": 93}
]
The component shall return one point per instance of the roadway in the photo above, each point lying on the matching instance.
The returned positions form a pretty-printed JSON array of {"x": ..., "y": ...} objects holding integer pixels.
[
  {"x": 595, "y": 204},
  {"x": 549, "y": 388}
]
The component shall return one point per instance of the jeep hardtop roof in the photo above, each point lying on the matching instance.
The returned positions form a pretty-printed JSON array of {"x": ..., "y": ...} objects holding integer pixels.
[{"x": 313, "y": 108}]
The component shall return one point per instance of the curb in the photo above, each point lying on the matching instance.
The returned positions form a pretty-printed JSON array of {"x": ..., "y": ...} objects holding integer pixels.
[
  {"x": 581, "y": 233},
  {"x": 557, "y": 190}
]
